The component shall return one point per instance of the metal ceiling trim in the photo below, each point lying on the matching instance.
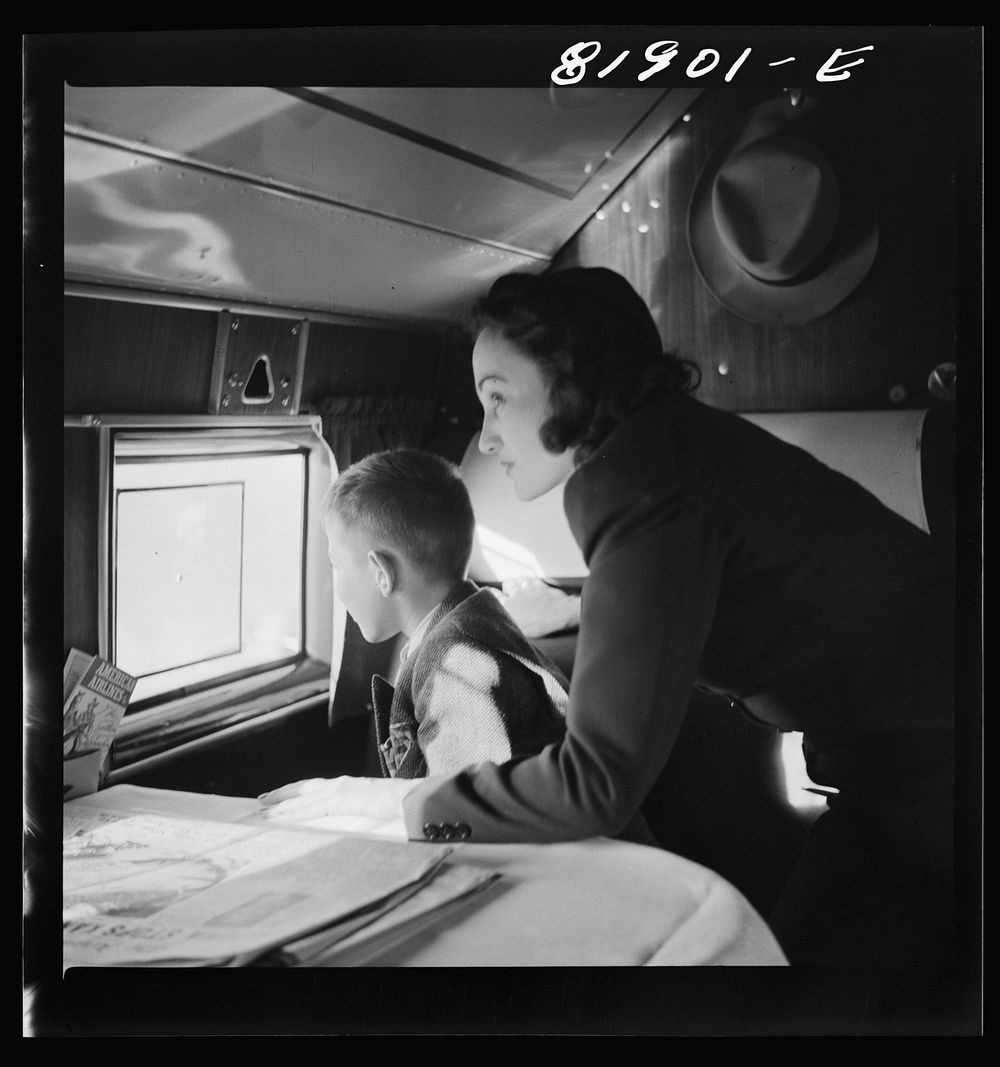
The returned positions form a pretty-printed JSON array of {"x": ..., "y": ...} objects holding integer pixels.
[{"x": 81, "y": 287}]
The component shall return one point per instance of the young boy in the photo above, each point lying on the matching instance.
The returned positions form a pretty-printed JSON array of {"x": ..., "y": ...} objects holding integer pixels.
[{"x": 471, "y": 686}]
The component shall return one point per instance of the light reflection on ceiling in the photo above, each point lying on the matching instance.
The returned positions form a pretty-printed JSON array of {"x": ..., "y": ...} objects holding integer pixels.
[{"x": 392, "y": 203}]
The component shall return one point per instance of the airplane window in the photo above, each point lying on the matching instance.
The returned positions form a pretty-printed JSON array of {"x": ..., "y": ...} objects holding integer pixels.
[
  {"x": 799, "y": 789},
  {"x": 199, "y": 589},
  {"x": 203, "y": 570}
]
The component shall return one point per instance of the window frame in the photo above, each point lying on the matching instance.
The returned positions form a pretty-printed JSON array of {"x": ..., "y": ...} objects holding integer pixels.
[{"x": 160, "y": 729}]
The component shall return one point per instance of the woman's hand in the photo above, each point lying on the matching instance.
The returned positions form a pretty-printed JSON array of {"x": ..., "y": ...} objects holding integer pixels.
[
  {"x": 313, "y": 798},
  {"x": 538, "y": 608}
]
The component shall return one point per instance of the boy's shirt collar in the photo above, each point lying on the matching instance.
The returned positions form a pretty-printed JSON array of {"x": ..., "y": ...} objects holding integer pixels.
[
  {"x": 418, "y": 635},
  {"x": 463, "y": 589}
]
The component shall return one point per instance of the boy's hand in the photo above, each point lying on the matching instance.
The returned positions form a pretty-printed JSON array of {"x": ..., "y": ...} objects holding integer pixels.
[{"x": 313, "y": 798}]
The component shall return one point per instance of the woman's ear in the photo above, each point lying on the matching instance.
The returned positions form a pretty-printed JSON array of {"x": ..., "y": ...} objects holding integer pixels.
[{"x": 382, "y": 571}]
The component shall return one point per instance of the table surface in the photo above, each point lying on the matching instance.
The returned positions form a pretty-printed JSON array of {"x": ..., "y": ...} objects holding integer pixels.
[{"x": 597, "y": 902}]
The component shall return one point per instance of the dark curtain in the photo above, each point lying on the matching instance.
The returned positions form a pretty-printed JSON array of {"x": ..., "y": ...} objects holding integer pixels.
[{"x": 355, "y": 426}]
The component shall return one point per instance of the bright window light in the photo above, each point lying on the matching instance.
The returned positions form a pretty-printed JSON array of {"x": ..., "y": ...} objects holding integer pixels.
[
  {"x": 208, "y": 565},
  {"x": 505, "y": 557},
  {"x": 797, "y": 782}
]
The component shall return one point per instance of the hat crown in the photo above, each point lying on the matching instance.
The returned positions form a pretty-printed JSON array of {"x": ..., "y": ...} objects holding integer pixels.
[
  {"x": 775, "y": 205},
  {"x": 782, "y": 224}
]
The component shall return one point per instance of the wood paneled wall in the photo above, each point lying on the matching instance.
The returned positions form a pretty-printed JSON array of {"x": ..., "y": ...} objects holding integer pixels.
[
  {"x": 351, "y": 360},
  {"x": 142, "y": 358},
  {"x": 878, "y": 348},
  {"x": 136, "y": 358}
]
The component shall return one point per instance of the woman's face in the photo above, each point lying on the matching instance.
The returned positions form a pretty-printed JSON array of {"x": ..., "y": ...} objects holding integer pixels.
[{"x": 515, "y": 399}]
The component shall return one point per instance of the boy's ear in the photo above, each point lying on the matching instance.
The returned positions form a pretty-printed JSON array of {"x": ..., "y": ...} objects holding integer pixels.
[{"x": 383, "y": 572}]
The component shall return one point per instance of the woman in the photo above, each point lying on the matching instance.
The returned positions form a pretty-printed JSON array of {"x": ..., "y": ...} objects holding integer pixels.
[{"x": 722, "y": 558}]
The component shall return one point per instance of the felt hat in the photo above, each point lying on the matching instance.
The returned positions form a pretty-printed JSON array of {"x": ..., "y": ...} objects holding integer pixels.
[{"x": 782, "y": 223}]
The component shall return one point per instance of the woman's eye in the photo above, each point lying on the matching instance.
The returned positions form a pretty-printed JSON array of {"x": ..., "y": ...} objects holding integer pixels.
[{"x": 495, "y": 400}]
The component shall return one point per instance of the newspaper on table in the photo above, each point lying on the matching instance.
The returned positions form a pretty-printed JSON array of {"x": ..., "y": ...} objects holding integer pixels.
[
  {"x": 451, "y": 889},
  {"x": 147, "y": 889}
]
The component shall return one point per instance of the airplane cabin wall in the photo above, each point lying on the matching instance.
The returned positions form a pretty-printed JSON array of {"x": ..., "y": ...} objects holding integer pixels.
[
  {"x": 123, "y": 356},
  {"x": 879, "y": 346}
]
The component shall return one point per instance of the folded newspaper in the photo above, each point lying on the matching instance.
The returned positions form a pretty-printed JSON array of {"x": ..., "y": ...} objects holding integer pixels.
[
  {"x": 148, "y": 889},
  {"x": 453, "y": 888}
]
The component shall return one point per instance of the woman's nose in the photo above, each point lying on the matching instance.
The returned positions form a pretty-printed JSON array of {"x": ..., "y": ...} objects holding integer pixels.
[{"x": 487, "y": 440}]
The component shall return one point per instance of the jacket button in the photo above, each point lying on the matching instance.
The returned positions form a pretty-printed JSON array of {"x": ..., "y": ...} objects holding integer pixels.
[
  {"x": 464, "y": 831},
  {"x": 447, "y": 831},
  {"x": 431, "y": 831}
]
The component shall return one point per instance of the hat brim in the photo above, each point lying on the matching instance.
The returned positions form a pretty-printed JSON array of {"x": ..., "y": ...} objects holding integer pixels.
[{"x": 845, "y": 261}]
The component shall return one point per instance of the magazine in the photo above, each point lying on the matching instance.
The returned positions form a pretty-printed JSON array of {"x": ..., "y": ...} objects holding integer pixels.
[{"x": 96, "y": 694}]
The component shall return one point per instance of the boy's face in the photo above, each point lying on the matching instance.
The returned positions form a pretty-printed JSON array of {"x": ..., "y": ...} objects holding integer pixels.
[{"x": 355, "y": 582}]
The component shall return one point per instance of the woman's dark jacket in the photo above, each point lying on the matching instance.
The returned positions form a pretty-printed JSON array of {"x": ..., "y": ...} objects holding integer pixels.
[{"x": 723, "y": 558}]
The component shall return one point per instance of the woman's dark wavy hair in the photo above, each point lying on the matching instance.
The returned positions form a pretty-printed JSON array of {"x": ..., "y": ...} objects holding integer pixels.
[{"x": 594, "y": 341}]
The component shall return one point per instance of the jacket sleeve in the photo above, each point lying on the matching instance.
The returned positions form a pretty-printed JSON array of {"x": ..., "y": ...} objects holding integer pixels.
[{"x": 647, "y": 608}]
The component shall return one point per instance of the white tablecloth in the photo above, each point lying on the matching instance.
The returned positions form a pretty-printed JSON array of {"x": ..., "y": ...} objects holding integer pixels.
[{"x": 598, "y": 902}]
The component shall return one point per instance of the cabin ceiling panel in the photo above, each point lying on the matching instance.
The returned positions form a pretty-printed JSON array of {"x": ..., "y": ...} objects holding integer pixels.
[
  {"x": 546, "y": 135},
  {"x": 454, "y": 185},
  {"x": 165, "y": 228}
]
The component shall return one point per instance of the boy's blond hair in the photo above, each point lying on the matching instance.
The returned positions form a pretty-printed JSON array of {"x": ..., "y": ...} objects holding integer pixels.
[{"x": 411, "y": 502}]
